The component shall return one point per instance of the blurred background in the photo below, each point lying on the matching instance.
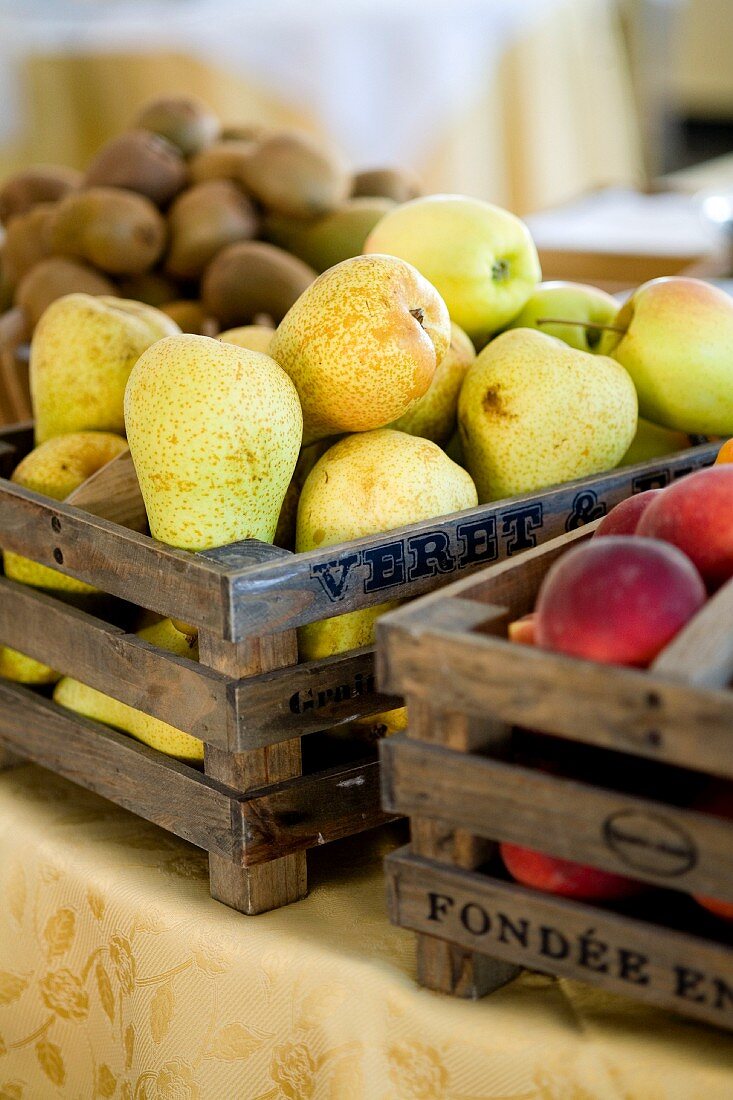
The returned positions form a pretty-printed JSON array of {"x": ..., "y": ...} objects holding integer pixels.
[{"x": 529, "y": 103}]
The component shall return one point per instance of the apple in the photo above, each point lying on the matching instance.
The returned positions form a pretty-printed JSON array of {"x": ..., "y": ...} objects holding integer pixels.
[
  {"x": 480, "y": 258},
  {"x": 624, "y": 518},
  {"x": 696, "y": 515},
  {"x": 678, "y": 348},
  {"x": 563, "y": 876},
  {"x": 572, "y": 302},
  {"x": 618, "y": 600}
]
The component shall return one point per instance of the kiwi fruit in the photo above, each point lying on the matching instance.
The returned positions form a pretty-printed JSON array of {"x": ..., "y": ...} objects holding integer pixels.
[
  {"x": 118, "y": 231},
  {"x": 326, "y": 241},
  {"x": 293, "y": 174},
  {"x": 28, "y": 240},
  {"x": 185, "y": 122},
  {"x": 152, "y": 287},
  {"x": 245, "y": 131},
  {"x": 191, "y": 317},
  {"x": 51, "y": 279},
  {"x": 251, "y": 278},
  {"x": 202, "y": 221},
  {"x": 42, "y": 183},
  {"x": 221, "y": 161},
  {"x": 6, "y": 287},
  {"x": 139, "y": 161},
  {"x": 387, "y": 183}
]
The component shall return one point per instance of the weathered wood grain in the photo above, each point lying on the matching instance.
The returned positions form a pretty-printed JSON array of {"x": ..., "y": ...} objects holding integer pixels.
[
  {"x": 618, "y": 708},
  {"x": 412, "y": 560},
  {"x": 638, "y": 837},
  {"x": 446, "y": 967},
  {"x": 183, "y": 693},
  {"x": 170, "y": 794},
  {"x": 311, "y": 810},
  {"x": 113, "y": 492},
  {"x": 282, "y": 880},
  {"x": 123, "y": 563},
  {"x": 307, "y": 698},
  {"x": 653, "y": 963}
]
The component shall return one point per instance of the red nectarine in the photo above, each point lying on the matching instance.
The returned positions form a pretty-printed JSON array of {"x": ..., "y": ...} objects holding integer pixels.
[
  {"x": 623, "y": 519},
  {"x": 696, "y": 514},
  {"x": 563, "y": 876},
  {"x": 618, "y": 600}
]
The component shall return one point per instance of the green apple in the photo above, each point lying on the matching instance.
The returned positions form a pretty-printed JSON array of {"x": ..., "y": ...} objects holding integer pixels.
[
  {"x": 677, "y": 346},
  {"x": 570, "y": 302},
  {"x": 480, "y": 258}
]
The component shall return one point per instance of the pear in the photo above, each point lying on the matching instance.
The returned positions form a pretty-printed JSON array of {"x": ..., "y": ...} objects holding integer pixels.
[
  {"x": 285, "y": 532},
  {"x": 362, "y": 344},
  {"x": 56, "y": 468},
  {"x": 678, "y": 348},
  {"x": 651, "y": 441},
  {"x": 82, "y": 352},
  {"x": 214, "y": 432},
  {"x": 254, "y": 337},
  {"x": 151, "y": 731},
  {"x": 434, "y": 415},
  {"x": 363, "y": 485},
  {"x": 534, "y": 412},
  {"x": 566, "y": 301}
]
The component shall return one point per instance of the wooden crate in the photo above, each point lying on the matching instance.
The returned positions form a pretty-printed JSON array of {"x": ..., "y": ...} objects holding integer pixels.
[
  {"x": 253, "y": 807},
  {"x": 464, "y": 777}
]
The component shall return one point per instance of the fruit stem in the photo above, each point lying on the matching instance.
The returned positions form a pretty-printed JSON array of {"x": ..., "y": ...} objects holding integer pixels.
[
  {"x": 583, "y": 324},
  {"x": 418, "y": 314}
]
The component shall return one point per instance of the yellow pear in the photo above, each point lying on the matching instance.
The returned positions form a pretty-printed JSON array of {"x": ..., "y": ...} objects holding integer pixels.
[
  {"x": 24, "y": 670},
  {"x": 434, "y": 415},
  {"x": 285, "y": 532},
  {"x": 362, "y": 344},
  {"x": 151, "y": 731},
  {"x": 55, "y": 468},
  {"x": 363, "y": 485},
  {"x": 535, "y": 412},
  {"x": 215, "y": 432},
  {"x": 254, "y": 337},
  {"x": 82, "y": 352},
  {"x": 652, "y": 441}
]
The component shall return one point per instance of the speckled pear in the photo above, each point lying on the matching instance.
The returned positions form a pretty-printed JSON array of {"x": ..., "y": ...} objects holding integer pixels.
[
  {"x": 151, "y": 731},
  {"x": 535, "y": 412},
  {"x": 215, "y": 432},
  {"x": 56, "y": 468},
  {"x": 82, "y": 352},
  {"x": 362, "y": 344},
  {"x": 363, "y": 485},
  {"x": 434, "y": 415}
]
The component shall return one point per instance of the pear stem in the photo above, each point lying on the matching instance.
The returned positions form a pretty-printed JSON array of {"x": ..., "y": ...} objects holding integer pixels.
[{"x": 582, "y": 324}]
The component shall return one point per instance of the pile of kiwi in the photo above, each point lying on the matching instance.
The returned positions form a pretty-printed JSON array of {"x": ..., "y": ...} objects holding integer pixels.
[{"x": 219, "y": 227}]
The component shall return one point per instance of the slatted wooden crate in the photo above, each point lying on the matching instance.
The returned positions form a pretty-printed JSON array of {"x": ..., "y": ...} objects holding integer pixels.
[
  {"x": 253, "y": 806},
  {"x": 623, "y": 755}
]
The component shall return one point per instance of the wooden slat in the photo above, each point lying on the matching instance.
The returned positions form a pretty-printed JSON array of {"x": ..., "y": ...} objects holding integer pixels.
[
  {"x": 178, "y": 691},
  {"x": 311, "y": 810},
  {"x": 574, "y": 820},
  {"x": 415, "y": 559},
  {"x": 307, "y": 698},
  {"x": 113, "y": 492},
  {"x": 614, "y": 707},
  {"x": 124, "y": 563},
  {"x": 164, "y": 791},
  {"x": 446, "y": 967},
  {"x": 702, "y": 652},
  {"x": 648, "y": 961},
  {"x": 281, "y": 880}
]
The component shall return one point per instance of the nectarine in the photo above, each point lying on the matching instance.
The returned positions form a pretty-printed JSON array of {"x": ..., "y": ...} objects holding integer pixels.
[
  {"x": 618, "y": 600},
  {"x": 624, "y": 517},
  {"x": 563, "y": 876},
  {"x": 696, "y": 515}
]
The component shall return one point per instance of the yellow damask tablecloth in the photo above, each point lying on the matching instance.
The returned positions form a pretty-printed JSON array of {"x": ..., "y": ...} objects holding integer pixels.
[{"x": 119, "y": 977}]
